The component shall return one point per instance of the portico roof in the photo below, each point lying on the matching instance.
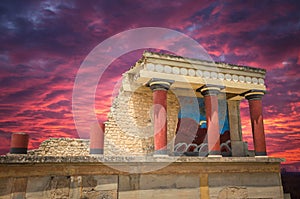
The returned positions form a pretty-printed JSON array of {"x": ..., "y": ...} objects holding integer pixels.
[{"x": 189, "y": 73}]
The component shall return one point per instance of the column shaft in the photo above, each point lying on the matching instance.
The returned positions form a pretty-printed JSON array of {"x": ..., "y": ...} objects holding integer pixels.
[
  {"x": 160, "y": 89},
  {"x": 212, "y": 121},
  {"x": 210, "y": 93},
  {"x": 255, "y": 106},
  {"x": 97, "y": 138},
  {"x": 160, "y": 121},
  {"x": 19, "y": 143}
]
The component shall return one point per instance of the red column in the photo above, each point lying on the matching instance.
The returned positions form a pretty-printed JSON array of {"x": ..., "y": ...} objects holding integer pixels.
[
  {"x": 160, "y": 90},
  {"x": 19, "y": 143},
  {"x": 212, "y": 119},
  {"x": 97, "y": 138},
  {"x": 257, "y": 124}
]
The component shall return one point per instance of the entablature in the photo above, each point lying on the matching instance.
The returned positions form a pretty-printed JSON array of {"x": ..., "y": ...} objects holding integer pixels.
[{"x": 192, "y": 73}]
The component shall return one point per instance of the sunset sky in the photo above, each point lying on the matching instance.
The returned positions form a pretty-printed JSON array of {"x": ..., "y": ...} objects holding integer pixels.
[{"x": 43, "y": 44}]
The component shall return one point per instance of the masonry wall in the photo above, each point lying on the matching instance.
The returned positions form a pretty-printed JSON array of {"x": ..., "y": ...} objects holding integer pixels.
[
  {"x": 62, "y": 147},
  {"x": 90, "y": 177},
  {"x": 129, "y": 129}
]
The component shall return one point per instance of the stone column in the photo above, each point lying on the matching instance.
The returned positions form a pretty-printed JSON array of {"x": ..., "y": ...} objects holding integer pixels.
[
  {"x": 210, "y": 94},
  {"x": 97, "y": 138},
  {"x": 160, "y": 89},
  {"x": 237, "y": 144},
  {"x": 255, "y": 106},
  {"x": 19, "y": 143}
]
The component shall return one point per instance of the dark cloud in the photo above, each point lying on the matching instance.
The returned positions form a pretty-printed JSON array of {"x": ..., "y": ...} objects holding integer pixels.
[{"x": 60, "y": 104}]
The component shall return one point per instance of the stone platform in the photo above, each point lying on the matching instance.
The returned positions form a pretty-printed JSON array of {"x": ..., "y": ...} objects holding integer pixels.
[{"x": 26, "y": 176}]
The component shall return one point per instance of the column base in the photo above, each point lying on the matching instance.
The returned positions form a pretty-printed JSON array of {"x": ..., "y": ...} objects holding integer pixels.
[
  {"x": 18, "y": 150},
  {"x": 260, "y": 154},
  {"x": 96, "y": 151},
  {"x": 214, "y": 153},
  {"x": 214, "y": 156},
  {"x": 160, "y": 153}
]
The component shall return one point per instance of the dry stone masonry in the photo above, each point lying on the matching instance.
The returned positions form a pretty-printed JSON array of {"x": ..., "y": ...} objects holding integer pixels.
[
  {"x": 129, "y": 128},
  {"x": 62, "y": 147}
]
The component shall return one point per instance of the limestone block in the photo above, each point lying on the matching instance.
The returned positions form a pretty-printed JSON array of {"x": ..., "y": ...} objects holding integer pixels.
[
  {"x": 238, "y": 149},
  {"x": 19, "y": 188},
  {"x": 37, "y": 187},
  {"x": 259, "y": 185},
  {"x": 275, "y": 192},
  {"x": 146, "y": 182},
  {"x": 6, "y": 185},
  {"x": 233, "y": 193},
  {"x": 58, "y": 187},
  {"x": 100, "y": 186},
  {"x": 244, "y": 179},
  {"x": 161, "y": 193}
]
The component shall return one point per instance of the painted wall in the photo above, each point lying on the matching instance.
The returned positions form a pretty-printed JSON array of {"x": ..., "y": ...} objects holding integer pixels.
[{"x": 194, "y": 108}]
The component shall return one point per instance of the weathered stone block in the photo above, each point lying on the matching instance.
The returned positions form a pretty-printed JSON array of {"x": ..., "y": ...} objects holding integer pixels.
[
  {"x": 161, "y": 193},
  {"x": 6, "y": 186},
  {"x": 233, "y": 193},
  {"x": 75, "y": 186},
  {"x": 244, "y": 179},
  {"x": 169, "y": 181},
  {"x": 101, "y": 186},
  {"x": 245, "y": 185},
  {"x": 19, "y": 188},
  {"x": 238, "y": 149},
  {"x": 37, "y": 187}
]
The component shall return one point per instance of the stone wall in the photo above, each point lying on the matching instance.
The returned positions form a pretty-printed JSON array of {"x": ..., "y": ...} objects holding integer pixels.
[
  {"x": 24, "y": 176},
  {"x": 62, "y": 147},
  {"x": 96, "y": 186},
  {"x": 129, "y": 129}
]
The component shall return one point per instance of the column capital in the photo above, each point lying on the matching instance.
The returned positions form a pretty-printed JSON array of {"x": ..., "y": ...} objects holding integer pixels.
[
  {"x": 254, "y": 94},
  {"x": 159, "y": 84},
  {"x": 210, "y": 89}
]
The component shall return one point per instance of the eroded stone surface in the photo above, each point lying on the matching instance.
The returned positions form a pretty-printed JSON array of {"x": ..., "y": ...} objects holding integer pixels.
[
  {"x": 62, "y": 147},
  {"x": 233, "y": 193}
]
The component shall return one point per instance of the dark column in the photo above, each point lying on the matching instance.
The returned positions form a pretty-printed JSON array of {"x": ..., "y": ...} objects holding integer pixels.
[
  {"x": 97, "y": 138},
  {"x": 210, "y": 94},
  {"x": 255, "y": 106},
  {"x": 19, "y": 143},
  {"x": 160, "y": 89}
]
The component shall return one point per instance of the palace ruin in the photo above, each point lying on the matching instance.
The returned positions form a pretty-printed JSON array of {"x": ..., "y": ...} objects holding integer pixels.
[{"x": 173, "y": 131}]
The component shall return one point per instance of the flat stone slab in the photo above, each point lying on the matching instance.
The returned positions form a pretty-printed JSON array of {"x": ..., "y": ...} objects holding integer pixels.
[{"x": 8, "y": 159}]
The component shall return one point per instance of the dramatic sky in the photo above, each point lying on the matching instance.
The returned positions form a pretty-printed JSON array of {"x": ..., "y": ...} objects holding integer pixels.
[{"x": 43, "y": 43}]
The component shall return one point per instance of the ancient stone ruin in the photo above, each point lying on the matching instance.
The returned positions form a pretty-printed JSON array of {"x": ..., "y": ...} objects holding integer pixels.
[
  {"x": 173, "y": 131},
  {"x": 195, "y": 105}
]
